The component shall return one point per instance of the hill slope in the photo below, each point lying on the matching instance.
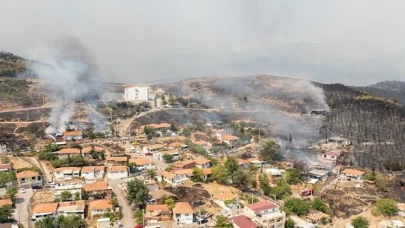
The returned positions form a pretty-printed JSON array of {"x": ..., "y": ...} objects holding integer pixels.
[{"x": 10, "y": 64}]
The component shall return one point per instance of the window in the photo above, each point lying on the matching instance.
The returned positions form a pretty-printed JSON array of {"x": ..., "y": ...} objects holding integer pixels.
[{"x": 22, "y": 179}]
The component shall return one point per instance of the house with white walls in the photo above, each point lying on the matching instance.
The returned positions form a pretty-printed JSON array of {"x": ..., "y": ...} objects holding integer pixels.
[
  {"x": 161, "y": 155},
  {"x": 66, "y": 173},
  {"x": 265, "y": 213},
  {"x": 183, "y": 213},
  {"x": 171, "y": 178},
  {"x": 142, "y": 163},
  {"x": 138, "y": 92},
  {"x": 92, "y": 172},
  {"x": 100, "y": 207},
  {"x": 117, "y": 172}
]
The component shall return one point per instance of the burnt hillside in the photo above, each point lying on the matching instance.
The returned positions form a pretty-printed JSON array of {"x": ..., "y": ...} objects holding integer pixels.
[{"x": 375, "y": 124}]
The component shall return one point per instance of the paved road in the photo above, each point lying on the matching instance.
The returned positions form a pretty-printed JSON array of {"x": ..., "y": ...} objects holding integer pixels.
[
  {"x": 127, "y": 211},
  {"x": 21, "y": 212}
]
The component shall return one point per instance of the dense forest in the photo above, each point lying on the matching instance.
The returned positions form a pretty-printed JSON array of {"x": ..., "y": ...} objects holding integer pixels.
[
  {"x": 375, "y": 125},
  {"x": 10, "y": 64}
]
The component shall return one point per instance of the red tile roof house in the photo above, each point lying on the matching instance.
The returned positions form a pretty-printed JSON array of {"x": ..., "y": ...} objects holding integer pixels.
[
  {"x": 29, "y": 179},
  {"x": 6, "y": 167},
  {"x": 66, "y": 152},
  {"x": 332, "y": 155},
  {"x": 73, "y": 135},
  {"x": 183, "y": 213},
  {"x": 265, "y": 213},
  {"x": 98, "y": 190},
  {"x": 242, "y": 221}
]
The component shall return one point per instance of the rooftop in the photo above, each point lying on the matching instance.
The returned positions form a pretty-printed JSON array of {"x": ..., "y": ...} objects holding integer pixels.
[
  {"x": 167, "y": 174},
  {"x": 26, "y": 174},
  {"x": 72, "y": 133},
  {"x": 262, "y": 205},
  {"x": 5, "y": 166},
  {"x": 69, "y": 151},
  {"x": 201, "y": 161},
  {"x": 226, "y": 196},
  {"x": 118, "y": 168},
  {"x": 45, "y": 208},
  {"x": 140, "y": 161},
  {"x": 96, "y": 186},
  {"x": 243, "y": 222},
  {"x": 182, "y": 208},
  {"x": 157, "y": 207},
  {"x": 183, "y": 163},
  {"x": 318, "y": 172},
  {"x": 117, "y": 159},
  {"x": 73, "y": 169},
  {"x": 96, "y": 149},
  {"x": 353, "y": 172},
  {"x": 92, "y": 168},
  {"x": 5, "y": 202},
  {"x": 100, "y": 204}
]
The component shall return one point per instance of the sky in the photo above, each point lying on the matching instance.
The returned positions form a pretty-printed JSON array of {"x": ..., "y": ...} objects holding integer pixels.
[{"x": 354, "y": 42}]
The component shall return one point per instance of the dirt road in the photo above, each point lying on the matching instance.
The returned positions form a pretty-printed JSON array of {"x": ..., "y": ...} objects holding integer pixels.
[
  {"x": 127, "y": 211},
  {"x": 44, "y": 169}
]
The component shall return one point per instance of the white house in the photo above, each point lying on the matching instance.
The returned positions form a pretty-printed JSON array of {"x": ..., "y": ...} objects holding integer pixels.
[
  {"x": 221, "y": 132},
  {"x": 153, "y": 148},
  {"x": 117, "y": 172},
  {"x": 265, "y": 213},
  {"x": 183, "y": 213},
  {"x": 160, "y": 155},
  {"x": 92, "y": 172},
  {"x": 318, "y": 174},
  {"x": 332, "y": 155},
  {"x": 66, "y": 152},
  {"x": 73, "y": 189},
  {"x": 353, "y": 174},
  {"x": 99, "y": 207},
  {"x": 171, "y": 178},
  {"x": 71, "y": 208},
  {"x": 136, "y": 93},
  {"x": 142, "y": 163},
  {"x": 73, "y": 135},
  {"x": 66, "y": 173},
  {"x": 42, "y": 211},
  {"x": 230, "y": 139},
  {"x": 257, "y": 162},
  {"x": 202, "y": 163}
]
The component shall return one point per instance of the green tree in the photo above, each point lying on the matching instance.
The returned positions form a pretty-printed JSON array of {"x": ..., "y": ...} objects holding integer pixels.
[
  {"x": 282, "y": 189},
  {"x": 198, "y": 175},
  {"x": 5, "y": 214},
  {"x": 240, "y": 178},
  {"x": 6, "y": 177},
  {"x": 269, "y": 152},
  {"x": 231, "y": 165},
  {"x": 296, "y": 206},
  {"x": 48, "y": 222},
  {"x": 169, "y": 202},
  {"x": 360, "y": 222},
  {"x": 151, "y": 173},
  {"x": 319, "y": 205},
  {"x": 137, "y": 193},
  {"x": 223, "y": 222},
  {"x": 77, "y": 196},
  {"x": 264, "y": 184},
  {"x": 65, "y": 196},
  {"x": 71, "y": 221},
  {"x": 138, "y": 216},
  {"x": 387, "y": 207},
  {"x": 12, "y": 192},
  {"x": 293, "y": 176},
  {"x": 168, "y": 158},
  {"x": 132, "y": 167},
  {"x": 173, "y": 128},
  {"x": 289, "y": 223},
  {"x": 220, "y": 174}
]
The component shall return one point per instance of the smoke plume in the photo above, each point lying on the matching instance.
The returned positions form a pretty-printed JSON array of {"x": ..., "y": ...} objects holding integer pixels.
[{"x": 70, "y": 74}]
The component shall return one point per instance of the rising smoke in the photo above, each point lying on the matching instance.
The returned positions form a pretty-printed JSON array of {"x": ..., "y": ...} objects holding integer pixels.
[{"x": 70, "y": 74}]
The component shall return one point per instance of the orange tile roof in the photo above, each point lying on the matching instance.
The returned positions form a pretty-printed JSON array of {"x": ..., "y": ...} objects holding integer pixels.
[
  {"x": 230, "y": 137},
  {"x": 183, "y": 163},
  {"x": 167, "y": 174},
  {"x": 353, "y": 172},
  {"x": 200, "y": 142},
  {"x": 242, "y": 161},
  {"x": 61, "y": 169},
  {"x": 72, "y": 203},
  {"x": 117, "y": 159},
  {"x": 100, "y": 205},
  {"x": 226, "y": 196},
  {"x": 188, "y": 172},
  {"x": 96, "y": 149},
  {"x": 157, "y": 207},
  {"x": 72, "y": 133},
  {"x": 182, "y": 208},
  {"x": 92, "y": 168},
  {"x": 69, "y": 151},
  {"x": 25, "y": 174},
  {"x": 96, "y": 186},
  {"x": 140, "y": 161},
  {"x": 118, "y": 168},
  {"x": 201, "y": 161},
  {"x": 45, "y": 208},
  {"x": 161, "y": 125},
  {"x": 5, "y": 202}
]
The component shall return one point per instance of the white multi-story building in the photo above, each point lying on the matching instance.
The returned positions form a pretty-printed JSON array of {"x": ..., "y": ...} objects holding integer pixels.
[
  {"x": 137, "y": 93},
  {"x": 92, "y": 172},
  {"x": 117, "y": 172},
  {"x": 183, "y": 213},
  {"x": 265, "y": 213},
  {"x": 67, "y": 173}
]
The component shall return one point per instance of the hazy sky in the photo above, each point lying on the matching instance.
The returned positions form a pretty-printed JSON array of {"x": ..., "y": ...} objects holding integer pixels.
[{"x": 354, "y": 42}]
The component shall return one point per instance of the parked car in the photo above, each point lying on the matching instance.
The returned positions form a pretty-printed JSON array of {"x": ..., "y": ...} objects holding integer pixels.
[
  {"x": 22, "y": 190},
  {"x": 119, "y": 224}
]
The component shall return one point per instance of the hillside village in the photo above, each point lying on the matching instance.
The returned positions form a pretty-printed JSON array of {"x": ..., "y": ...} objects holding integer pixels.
[{"x": 203, "y": 173}]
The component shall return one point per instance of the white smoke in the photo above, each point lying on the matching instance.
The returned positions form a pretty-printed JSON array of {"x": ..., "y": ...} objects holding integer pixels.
[{"x": 70, "y": 74}]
